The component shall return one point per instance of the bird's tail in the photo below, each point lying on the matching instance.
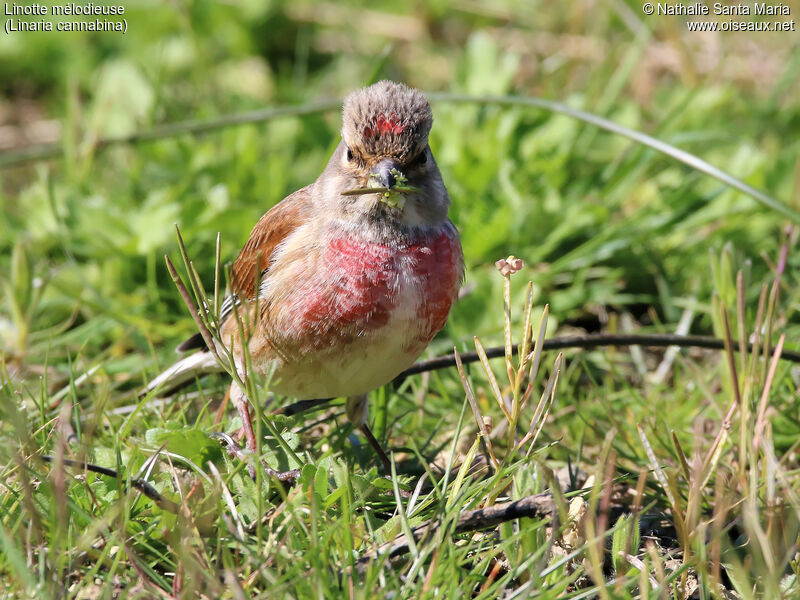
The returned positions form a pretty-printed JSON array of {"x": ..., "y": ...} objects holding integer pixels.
[{"x": 184, "y": 371}]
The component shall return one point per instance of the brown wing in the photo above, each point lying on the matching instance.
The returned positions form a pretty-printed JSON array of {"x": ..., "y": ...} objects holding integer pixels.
[
  {"x": 270, "y": 231},
  {"x": 255, "y": 257}
]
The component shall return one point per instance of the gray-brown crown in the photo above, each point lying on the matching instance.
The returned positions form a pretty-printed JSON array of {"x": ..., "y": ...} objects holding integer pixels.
[{"x": 386, "y": 119}]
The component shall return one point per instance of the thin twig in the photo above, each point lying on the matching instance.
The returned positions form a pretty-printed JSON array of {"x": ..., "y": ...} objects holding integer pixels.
[
  {"x": 140, "y": 484},
  {"x": 588, "y": 341},
  {"x": 637, "y": 136},
  {"x": 539, "y": 506},
  {"x": 56, "y": 150}
]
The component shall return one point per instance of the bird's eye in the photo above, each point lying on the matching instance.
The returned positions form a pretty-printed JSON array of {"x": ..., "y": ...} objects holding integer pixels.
[
  {"x": 349, "y": 155},
  {"x": 422, "y": 158}
]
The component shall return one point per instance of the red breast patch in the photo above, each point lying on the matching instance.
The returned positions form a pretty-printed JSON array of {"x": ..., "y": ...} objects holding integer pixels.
[
  {"x": 383, "y": 125},
  {"x": 360, "y": 284}
]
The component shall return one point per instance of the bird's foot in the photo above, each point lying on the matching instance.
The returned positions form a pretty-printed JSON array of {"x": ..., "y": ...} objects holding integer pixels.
[
  {"x": 235, "y": 451},
  {"x": 231, "y": 445}
]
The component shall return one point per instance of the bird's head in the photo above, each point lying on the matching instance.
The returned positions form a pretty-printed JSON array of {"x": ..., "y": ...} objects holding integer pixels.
[{"x": 384, "y": 166}]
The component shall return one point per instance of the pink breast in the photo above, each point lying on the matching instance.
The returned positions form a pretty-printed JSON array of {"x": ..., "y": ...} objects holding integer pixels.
[
  {"x": 439, "y": 265},
  {"x": 360, "y": 284}
]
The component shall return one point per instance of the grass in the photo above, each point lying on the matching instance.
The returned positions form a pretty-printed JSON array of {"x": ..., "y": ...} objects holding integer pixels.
[{"x": 669, "y": 473}]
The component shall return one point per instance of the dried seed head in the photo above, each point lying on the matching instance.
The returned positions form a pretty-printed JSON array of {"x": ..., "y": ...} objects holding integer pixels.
[{"x": 509, "y": 266}]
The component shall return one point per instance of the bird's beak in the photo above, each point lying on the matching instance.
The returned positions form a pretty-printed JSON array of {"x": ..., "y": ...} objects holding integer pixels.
[
  {"x": 388, "y": 182},
  {"x": 388, "y": 173}
]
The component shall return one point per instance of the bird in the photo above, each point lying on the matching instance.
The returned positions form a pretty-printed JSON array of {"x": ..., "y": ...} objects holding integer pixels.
[{"x": 343, "y": 284}]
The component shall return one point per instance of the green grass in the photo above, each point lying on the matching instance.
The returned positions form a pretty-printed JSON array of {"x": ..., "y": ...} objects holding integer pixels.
[{"x": 616, "y": 236}]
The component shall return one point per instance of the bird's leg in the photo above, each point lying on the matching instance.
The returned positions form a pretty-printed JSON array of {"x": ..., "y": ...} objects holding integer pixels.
[
  {"x": 243, "y": 406},
  {"x": 239, "y": 400},
  {"x": 357, "y": 409},
  {"x": 235, "y": 451},
  {"x": 387, "y": 464}
]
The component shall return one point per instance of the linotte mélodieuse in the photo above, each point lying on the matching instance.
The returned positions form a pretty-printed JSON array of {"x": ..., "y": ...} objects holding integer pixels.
[
  {"x": 67, "y": 9},
  {"x": 718, "y": 8}
]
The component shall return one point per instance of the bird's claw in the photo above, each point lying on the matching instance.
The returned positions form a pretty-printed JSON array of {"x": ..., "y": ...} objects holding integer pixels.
[
  {"x": 235, "y": 451},
  {"x": 231, "y": 447}
]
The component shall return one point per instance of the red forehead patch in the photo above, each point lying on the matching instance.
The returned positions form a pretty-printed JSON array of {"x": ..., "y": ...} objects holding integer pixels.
[{"x": 384, "y": 125}]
